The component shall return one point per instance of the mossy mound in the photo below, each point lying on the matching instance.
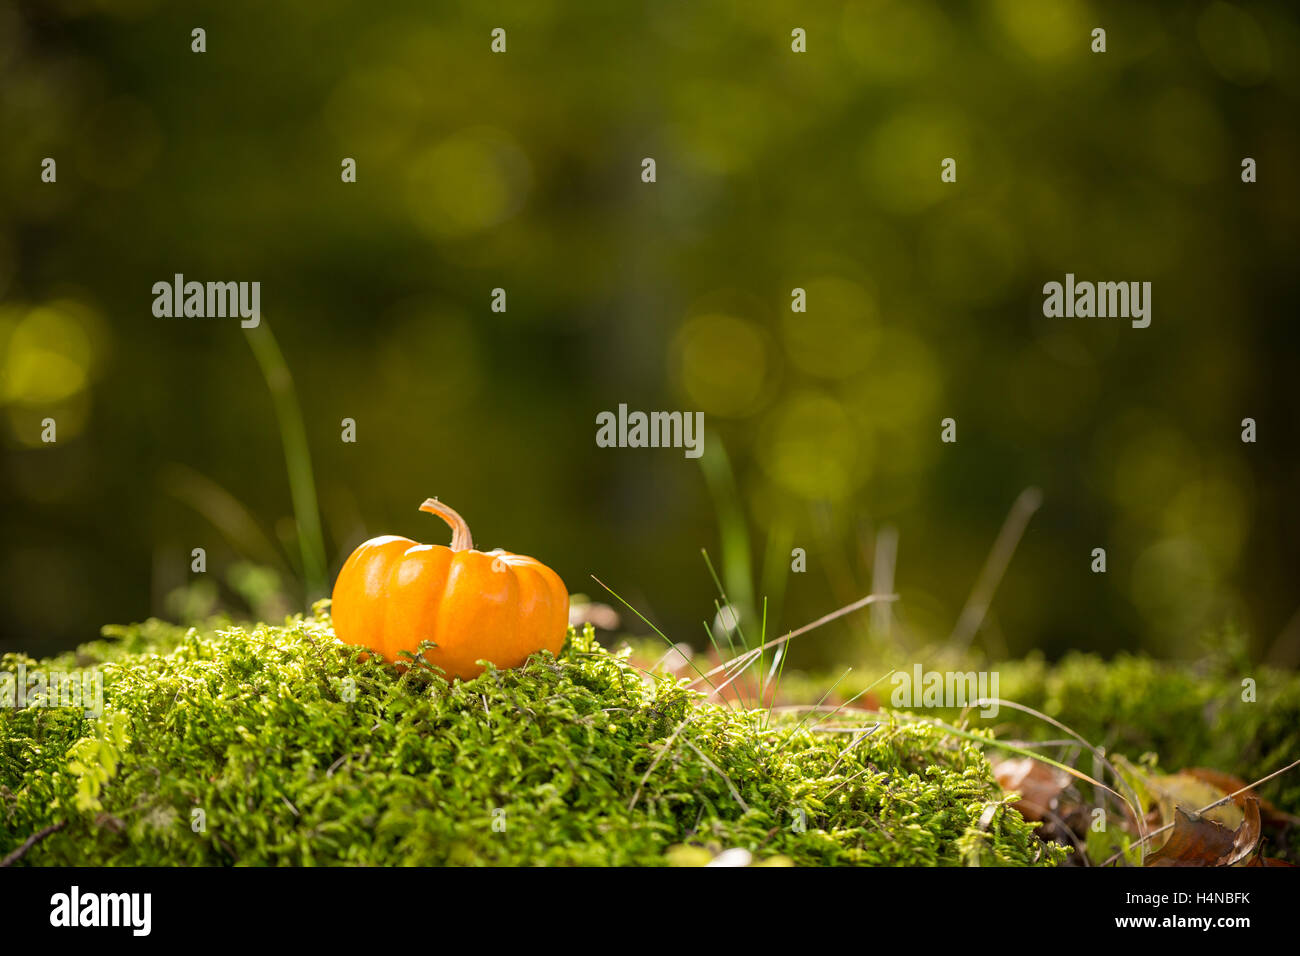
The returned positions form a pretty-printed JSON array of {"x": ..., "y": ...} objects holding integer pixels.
[
  {"x": 277, "y": 745},
  {"x": 1221, "y": 711},
  {"x": 1205, "y": 715}
]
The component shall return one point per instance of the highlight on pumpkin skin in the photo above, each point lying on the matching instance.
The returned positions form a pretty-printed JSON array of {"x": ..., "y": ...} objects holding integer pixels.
[{"x": 462, "y": 606}]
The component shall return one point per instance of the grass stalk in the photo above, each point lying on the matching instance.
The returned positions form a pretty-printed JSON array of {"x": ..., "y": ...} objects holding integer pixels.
[{"x": 297, "y": 457}]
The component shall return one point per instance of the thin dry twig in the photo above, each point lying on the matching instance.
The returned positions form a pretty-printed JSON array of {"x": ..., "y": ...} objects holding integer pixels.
[
  {"x": 718, "y": 770},
  {"x": 824, "y": 619},
  {"x": 882, "y": 575},
  {"x": 1004, "y": 546},
  {"x": 31, "y": 841},
  {"x": 662, "y": 753},
  {"x": 846, "y": 781},
  {"x": 1097, "y": 752},
  {"x": 863, "y": 735}
]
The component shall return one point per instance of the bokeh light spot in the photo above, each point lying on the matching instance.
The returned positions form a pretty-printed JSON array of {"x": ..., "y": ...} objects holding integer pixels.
[
  {"x": 721, "y": 363},
  {"x": 900, "y": 162},
  {"x": 838, "y": 335},
  {"x": 469, "y": 182},
  {"x": 47, "y": 355},
  {"x": 1045, "y": 31},
  {"x": 895, "y": 39},
  {"x": 810, "y": 448},
  {"x": 1234, "y": 44}
]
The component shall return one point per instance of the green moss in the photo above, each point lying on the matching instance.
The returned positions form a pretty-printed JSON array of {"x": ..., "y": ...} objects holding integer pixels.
[
  {"x": 1166, "y": 714},
  {"x": 296, "y": 752},
  {"x": 1187, "y": 717}
]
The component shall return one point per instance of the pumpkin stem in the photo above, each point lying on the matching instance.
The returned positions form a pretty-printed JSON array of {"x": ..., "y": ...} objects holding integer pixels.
[{"x": 460, "y": 536}]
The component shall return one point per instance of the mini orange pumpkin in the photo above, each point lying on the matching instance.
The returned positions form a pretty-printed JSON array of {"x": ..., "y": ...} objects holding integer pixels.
[{"x": 394, "y": 593}]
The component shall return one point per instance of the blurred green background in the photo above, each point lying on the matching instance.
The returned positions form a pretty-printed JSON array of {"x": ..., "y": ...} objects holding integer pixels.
[{"x": 776, "y": 170}]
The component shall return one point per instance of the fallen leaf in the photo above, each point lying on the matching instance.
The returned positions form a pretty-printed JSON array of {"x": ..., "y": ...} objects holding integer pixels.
[
  {"x": 1229, "y": 784},
  {"x": 1246, "y": 839},
  {"x": 1199, "y": 841},
  {"x": 1038, "y": 784},
  {"x": 1191, "y": 793}
]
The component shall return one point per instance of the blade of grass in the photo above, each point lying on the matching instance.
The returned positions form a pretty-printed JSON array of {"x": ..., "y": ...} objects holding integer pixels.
[
  {"x": 776, "y": 563},
  {"x": 862, "y": 734},
  {"x": 851, "y": 699},
  {"x": 734, "y": 611},
  {"x": 1004, "y": 546},
  {"x": 1095, "y": 751},
  {"x": 663, "y": 752},
  {"x": 651, "y": 625},
  {"x": 297, "y": 457},
  {"x": 723, "y": 686},
  {"x": 780, "y": 657},
  {"x": 824, "y": 619},
  {"x": 225, "y": 512},
  {"x": 734, "y": 531},
  {"x": 790, "y": 736},
  {"x": 708, "y": 632},
  {"x": 1022, "y": 751},
  {"x": 718, "y": 770}
]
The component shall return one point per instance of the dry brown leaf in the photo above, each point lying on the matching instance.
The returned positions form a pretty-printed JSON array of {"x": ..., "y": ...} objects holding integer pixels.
[
  {"x": 1226, "y": 782},
  {"x": 1191, "y": 793},
  {"x": 1198, "y": 841},
  {"x": 1038, "y": 784}
]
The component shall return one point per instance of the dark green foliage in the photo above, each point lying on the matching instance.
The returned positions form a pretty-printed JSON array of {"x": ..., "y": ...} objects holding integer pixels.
[{"x": 582, "y": 758}]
